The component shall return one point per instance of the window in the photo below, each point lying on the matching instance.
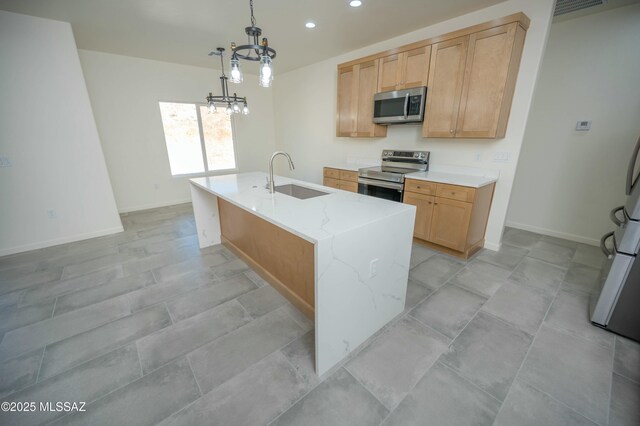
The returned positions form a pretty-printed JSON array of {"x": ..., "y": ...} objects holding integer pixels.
[{"x": 197, "y": 141}]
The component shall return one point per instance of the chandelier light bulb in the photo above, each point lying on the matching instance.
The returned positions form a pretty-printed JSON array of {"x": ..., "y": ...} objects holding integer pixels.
[
  {"x": 266, "y": 71},
  {"x": 212, "y": 107},
  {"x": 245, "y": 109},
  {"x": 229, "y": 109},
  {"x": 236, "y": 107},
  {"x": 236, "y": 72}
]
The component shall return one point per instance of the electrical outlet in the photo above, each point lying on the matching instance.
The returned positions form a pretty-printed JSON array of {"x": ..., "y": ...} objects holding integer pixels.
[
  {"x": 5, "y": 162},
  {"x": 52, "y": 214},
  {"x": 373, "y": 268},
  {"x": 501, "y": 157},
  {"x": 477, "y": 157}
]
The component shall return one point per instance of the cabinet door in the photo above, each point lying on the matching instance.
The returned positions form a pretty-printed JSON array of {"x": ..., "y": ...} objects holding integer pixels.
[
  {"x": 346, "y": 185},
  {"x": 485, "y": 81},
  {"x": 450, "y": 223},
  {"x": 424, "y": 211},
  {"x": 446, "y": 74},
  {"x": 390, "y": 72},
  {"x": 367, "y": 85},
  {"x": 415, "y": 67},
  {"x": 331, "y": 182},
  {"x": 346, "y": 114}
]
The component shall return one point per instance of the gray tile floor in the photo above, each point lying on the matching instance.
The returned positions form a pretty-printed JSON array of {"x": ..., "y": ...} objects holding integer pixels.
[{"x": 146, "y": 328}]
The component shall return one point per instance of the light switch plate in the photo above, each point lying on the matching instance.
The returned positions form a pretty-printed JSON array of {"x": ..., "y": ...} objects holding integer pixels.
[
  {"x": 501, "y": 156},
  {"x": 5, "y": 162},
  {"x": 583, "y": 125}
]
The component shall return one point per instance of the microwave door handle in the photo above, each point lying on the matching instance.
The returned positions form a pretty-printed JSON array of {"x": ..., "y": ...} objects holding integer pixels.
[
  {"x": 406, "y": 105},
  {"x": 634, "y": 158}
]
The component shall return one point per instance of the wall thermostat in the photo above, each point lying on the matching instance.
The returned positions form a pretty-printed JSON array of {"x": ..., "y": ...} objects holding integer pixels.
[{"x": 583, "y": 125}]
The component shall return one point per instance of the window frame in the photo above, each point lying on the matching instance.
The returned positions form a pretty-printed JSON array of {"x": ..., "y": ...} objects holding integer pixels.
[{"x": 203, "y": 149}]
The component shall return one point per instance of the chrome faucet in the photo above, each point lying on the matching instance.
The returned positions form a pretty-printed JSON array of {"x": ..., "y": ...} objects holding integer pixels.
[{"x": 270, "y": 185}]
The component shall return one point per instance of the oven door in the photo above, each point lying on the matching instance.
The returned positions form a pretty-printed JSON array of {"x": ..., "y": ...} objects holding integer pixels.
[{"x": 380, "y": 189}]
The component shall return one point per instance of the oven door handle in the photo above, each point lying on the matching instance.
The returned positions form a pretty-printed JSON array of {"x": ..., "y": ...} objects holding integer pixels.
[
  {"x": 603, "y": 245},
  {"x": 388, "y": 185}
]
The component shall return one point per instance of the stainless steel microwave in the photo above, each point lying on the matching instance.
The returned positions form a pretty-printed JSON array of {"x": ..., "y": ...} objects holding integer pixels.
[{"x": 399, "y": 106}]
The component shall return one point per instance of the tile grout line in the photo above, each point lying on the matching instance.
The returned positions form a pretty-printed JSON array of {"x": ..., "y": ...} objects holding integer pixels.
[
  {"x": 195, "y": 379},
  {"x": 301, "y": 396},
  {"x": 40, "y": 366},
  {"x": 53, "y": 312},
  {"x": 613, "y": 361},
  {"x": 533, "y": 341}
]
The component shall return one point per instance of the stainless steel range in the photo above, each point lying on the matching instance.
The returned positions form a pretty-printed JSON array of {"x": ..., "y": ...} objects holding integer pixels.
[{"x": 387, "y": 180}]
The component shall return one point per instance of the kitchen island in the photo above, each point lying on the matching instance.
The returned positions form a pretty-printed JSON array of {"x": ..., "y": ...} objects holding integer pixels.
[{"x": 341, "y": 258}]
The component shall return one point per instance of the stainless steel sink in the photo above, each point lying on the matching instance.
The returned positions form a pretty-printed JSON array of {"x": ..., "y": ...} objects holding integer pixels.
[{"x": 298, "y": 191}]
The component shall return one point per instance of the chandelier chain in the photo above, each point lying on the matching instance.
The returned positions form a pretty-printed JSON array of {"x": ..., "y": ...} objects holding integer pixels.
[{"x": 253, "y": 19}]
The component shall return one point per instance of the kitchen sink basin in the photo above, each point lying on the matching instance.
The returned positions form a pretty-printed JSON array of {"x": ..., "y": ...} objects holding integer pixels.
[{"x": 298, "y": 191}]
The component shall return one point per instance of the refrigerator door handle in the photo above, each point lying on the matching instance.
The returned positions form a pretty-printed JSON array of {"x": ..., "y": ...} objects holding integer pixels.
[
  {"x": 603, "y": 245},
  {"x": 632, "y": 164},
  {"x": 614, "y": 217}
]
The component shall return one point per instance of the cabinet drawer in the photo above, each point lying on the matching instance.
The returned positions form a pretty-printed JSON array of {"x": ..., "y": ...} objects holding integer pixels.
[
  {"x": 331, "y": 183},
  {"x": 349, "y": 175},
  {"x": 349, "y": 186},
  {"x": 331, "y": 173},
  {"x": 420, "y": 186},
  {"x": 454, "y": 192}
]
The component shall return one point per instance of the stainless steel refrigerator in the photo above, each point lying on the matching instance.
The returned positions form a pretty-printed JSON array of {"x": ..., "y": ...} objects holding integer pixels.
[{"x": 616, "y": 306}]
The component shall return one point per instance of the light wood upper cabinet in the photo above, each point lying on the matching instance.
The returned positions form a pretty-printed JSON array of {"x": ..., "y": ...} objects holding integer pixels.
[
  {"x": 471, "y": 84},
  {"x": 416, "y": 67},
  {"x": 404, "y": 70},
  {"x": 444, "y": 88},
  {"x": 356, "y": 86},
  {"x": 470, "y": 76},
  {"x": 492, "y": 65}
]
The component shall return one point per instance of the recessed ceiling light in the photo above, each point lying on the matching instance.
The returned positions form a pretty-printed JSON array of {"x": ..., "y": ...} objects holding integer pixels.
[
  {"x": 310, "y": 25},
  {"x": 355, "y": 3}
]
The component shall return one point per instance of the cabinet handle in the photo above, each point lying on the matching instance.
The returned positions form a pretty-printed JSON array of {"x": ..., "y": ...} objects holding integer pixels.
[
  {"x": 453, "y": 193},
  {"x": 418, "y": 187},
  {"x": 451, "y": 131},
  {"x": 435, "y": 204}
]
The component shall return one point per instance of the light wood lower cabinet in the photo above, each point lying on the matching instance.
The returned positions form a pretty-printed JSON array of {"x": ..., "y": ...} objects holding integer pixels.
[
  {"x": 444, "y": 221},
  {"x": 347, "y": 180}
]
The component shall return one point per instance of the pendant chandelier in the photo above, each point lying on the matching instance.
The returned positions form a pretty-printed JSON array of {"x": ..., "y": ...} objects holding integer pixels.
[
  {"x": 232, "y": 102},
  {"x": 255, "y": 51}
]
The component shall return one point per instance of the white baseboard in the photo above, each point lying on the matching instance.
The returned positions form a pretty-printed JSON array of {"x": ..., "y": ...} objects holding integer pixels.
[
  {"x": 58, "y": 241},
  {"x": 552, "y": 233},
  {"x": 154, "y": 205},
  {"x": 492, "y": 246}
]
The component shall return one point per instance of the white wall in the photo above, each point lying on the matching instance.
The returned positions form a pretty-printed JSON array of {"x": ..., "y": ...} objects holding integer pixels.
[
  {"x": 568, "y": 181},
  {"x": 48, "y": 132},
  {"x": 305, "y": 107},
  {"x": 125, "y": 92}
]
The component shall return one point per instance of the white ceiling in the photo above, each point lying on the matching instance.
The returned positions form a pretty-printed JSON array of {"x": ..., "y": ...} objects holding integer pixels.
[{"x": 184, "y": 31}]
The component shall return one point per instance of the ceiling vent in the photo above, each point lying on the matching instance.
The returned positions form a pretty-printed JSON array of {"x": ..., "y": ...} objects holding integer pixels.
[{"x": 568, "y": 6}]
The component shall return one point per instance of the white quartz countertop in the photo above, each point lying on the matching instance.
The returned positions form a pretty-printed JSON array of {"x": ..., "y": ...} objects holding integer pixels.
[
  {"x": 457, "y": 175},
  {"x": 313, "y": 219},
  {"x": 354, "y": 167}
]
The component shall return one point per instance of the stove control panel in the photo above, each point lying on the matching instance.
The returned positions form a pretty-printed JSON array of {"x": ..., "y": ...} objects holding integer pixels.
[{"x": 415, "y": 155}]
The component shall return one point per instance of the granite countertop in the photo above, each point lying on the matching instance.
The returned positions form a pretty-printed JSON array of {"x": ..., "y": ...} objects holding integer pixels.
[{"x": 313, "y": 219}]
